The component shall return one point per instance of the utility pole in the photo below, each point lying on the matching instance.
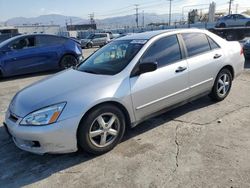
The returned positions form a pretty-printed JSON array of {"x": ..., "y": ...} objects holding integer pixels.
[
  {"x": 92, "y": 18},
  {"x": 71, "y": 22},
  {"x": 170, "y": 13},
  {"x": 137, "y": 15},
  {"x": 143, "y": 18},
  {"x": 230, "y": 6},
  {"x": 236, "y": 8}
]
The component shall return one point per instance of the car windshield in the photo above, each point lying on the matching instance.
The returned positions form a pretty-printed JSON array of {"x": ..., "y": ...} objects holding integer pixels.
[
  {"x": 91, "y": 36},
  {"x": 5, "y": 42},
  {"x": 112, "y": 58}
]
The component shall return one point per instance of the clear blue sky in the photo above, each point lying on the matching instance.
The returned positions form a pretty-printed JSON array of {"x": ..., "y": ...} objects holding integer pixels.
[{"x": 101, "y": 8}]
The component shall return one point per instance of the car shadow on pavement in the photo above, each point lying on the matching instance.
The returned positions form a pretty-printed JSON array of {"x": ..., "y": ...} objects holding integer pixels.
[
  {"x": 19, "y": 77},
  {"x": 168, "y": 116},
  {"x": 20, "y": 168}
]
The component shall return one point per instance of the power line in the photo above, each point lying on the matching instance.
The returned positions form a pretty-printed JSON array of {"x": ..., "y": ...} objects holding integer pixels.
[{"x": 127, "y": 10}]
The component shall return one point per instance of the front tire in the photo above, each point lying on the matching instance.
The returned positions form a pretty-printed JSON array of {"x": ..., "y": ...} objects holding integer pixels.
[
  {"x": 101, "y": 130},
  {"x": 68, "y": 61},
  {"x": 222, "y": 85}
]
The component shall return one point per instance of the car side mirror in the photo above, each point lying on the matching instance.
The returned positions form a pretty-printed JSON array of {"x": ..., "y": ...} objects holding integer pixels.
[{"x": 147, "y": 67}]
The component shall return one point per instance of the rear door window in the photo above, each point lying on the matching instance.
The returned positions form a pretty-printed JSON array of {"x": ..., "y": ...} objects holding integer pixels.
[
  {"x": 103, "y": 35},
  {"x": 213, "y": 44},
  {"x": 196, "y": 43},
  {"x": 50, "y": 40}
]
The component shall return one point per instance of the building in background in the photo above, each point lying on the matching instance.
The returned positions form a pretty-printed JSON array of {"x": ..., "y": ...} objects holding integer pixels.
[
  {"x": 36, "y": 28},
  {"x": 193, "y": 16},
  {"x": 76, "y": 30}
]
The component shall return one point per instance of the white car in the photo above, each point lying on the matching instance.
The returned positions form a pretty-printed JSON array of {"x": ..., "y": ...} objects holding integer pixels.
[
  {"x": 127, "y": 81},
  {"x": 97, "y": 39},
  {"x": 233, "y": 20}
]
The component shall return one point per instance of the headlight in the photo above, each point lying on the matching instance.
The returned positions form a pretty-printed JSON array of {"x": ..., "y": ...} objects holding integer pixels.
[
  {"x": 44, "y": 116},
  {"x": 81, "y": 58},
  {"x": 247, "y": 42}
]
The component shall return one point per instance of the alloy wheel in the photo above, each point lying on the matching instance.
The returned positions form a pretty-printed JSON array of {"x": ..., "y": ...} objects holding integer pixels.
[
  {"x": 223, "y": 85},
  {"x": 104, "y": 130}
]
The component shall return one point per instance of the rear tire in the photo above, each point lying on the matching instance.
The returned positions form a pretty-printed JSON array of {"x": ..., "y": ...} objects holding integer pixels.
[
  {"x": 232, "y": 36},
  {"x": 68, "y": 61},
  {"x": 222, "y": 85},
  {"x": 222, "y": 25},
  {"x": 101, "y": 130},
  {"x": 89, "y": 45}
]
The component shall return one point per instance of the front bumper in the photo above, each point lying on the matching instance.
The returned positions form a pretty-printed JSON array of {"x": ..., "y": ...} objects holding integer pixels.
[{"x": 59, "y": 137}]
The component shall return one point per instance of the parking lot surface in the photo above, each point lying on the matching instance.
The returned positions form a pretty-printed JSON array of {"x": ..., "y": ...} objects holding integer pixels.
[{"x": 200, "y": 144}]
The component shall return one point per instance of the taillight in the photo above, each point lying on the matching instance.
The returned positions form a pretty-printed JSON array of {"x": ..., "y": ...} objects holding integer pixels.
[{"x": 241, "y": 51}]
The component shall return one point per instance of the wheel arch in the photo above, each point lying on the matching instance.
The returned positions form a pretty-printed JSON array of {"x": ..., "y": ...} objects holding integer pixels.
[
  {"x": 230, "y": 68},
  {"x": 67, "y": 53},
  {"x": 114, "y": 103},
  {"x": 222, "y": 24}
]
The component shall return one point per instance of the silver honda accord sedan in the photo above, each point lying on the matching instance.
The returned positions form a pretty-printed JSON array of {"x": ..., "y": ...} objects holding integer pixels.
[{"x": 125, "y": 82}]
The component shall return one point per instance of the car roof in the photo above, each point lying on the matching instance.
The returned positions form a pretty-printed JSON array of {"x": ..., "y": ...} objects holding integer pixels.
[
  {"x": 150, "y": 34},
  {"x": 35, "y": 34},
  {"x": 3, "y": 43}
]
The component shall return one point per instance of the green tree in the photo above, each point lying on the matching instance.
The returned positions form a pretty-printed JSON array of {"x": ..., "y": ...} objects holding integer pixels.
[{"x": 246, "y": 12}]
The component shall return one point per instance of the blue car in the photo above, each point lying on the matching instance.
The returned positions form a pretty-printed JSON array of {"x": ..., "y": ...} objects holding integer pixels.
[{"x": 37, "y": 52}]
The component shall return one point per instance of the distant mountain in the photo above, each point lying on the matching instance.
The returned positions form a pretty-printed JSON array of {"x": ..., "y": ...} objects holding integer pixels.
[
  {"x": 46, "y": 19},
  {"x": 121, "y": 21},
  {"x": 129, "y": 20}
]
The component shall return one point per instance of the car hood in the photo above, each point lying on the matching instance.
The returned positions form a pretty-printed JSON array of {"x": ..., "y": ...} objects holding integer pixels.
[{"x": 62, "y": 87}]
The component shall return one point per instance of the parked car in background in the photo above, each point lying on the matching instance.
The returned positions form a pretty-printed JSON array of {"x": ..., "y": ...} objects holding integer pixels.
[
  {"x": 246, "y": 49},
  {"x": 233, "y": 20},
  {"x": 125, "y": 82},
  {"x": 97, "y": 39},
  {"x": 37, "y": 52}
]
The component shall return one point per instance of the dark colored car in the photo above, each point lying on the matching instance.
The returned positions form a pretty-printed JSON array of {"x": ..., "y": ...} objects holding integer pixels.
[
  {"x": 246, "y": 49},
  {"x": 37, "y": 52}
]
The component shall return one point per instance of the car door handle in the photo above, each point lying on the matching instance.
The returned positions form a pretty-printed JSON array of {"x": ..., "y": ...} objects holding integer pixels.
[
  {"x": 180, "y": 69},
  {"x": 216, "y": 56}
]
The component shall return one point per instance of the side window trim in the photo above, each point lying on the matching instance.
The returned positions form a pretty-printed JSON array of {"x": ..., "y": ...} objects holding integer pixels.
[{"x": 182, "y": 46}]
